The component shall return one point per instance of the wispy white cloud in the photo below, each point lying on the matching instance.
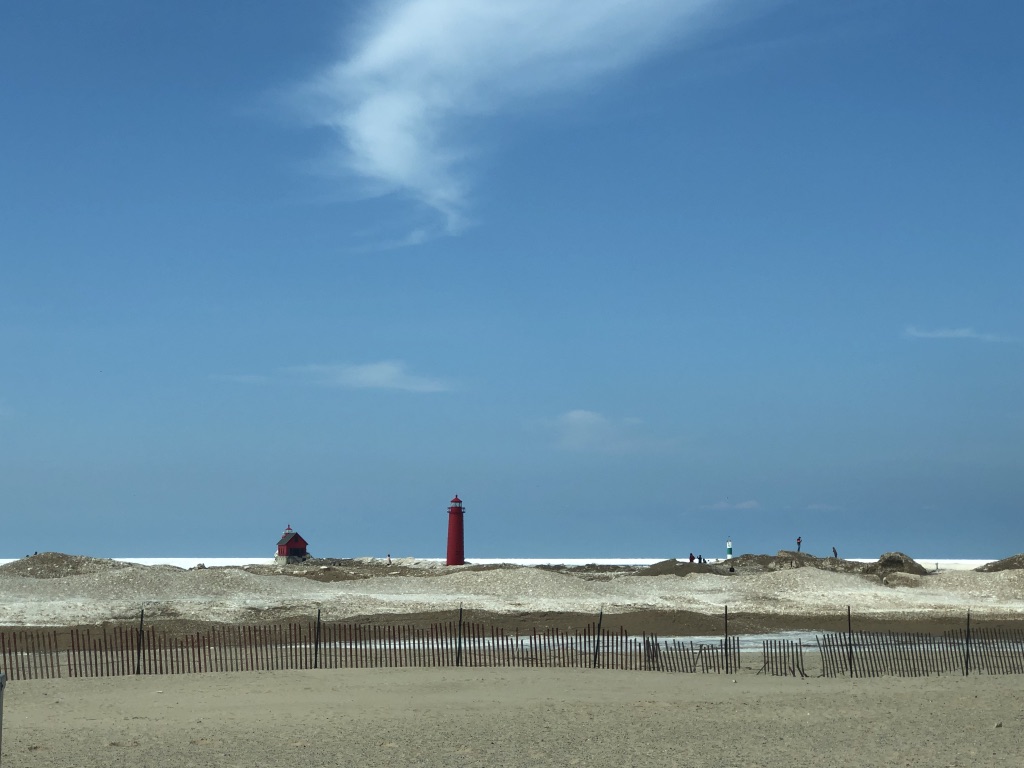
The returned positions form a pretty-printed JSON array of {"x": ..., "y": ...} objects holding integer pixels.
[
  {"x": 912, "y": 332},
  {"x": 588, "y": 431},
  {"x": 387, "y": 374},
  {"x": 723, "y": 506},
  {"x": 418, "y": 71}
]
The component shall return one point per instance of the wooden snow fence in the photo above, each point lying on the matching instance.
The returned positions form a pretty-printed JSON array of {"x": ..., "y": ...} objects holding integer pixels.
[
  {"x": 112, "y": 651},
  {"x": 992, "y": 651},
  {"x": 782, "y": 658}
]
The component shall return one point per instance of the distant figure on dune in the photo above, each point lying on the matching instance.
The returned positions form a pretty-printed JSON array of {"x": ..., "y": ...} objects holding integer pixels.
[
  {"x": 799, "y": 541},
  {"x": 389, "y": 557},
  {"x": 834, "y": 553},
  {"x": 692, "y": 558}
]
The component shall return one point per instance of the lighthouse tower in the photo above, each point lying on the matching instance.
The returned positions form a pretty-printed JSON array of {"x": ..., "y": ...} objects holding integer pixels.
[{"x": 456, "y": 539}]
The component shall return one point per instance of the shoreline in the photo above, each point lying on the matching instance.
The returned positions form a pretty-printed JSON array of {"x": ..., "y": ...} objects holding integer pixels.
[{"x": 938, "y": 563}]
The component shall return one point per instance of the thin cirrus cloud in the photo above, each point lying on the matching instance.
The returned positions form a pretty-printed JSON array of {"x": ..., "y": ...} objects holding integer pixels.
[
  {"x": 912, "y": 332},
  {"x": 822, "y": 508},
  {"x": 418, "y": 72},
  {"x": 591, "y": 432},
  {"x": 722, "y": 506},
  {"x": 387, "y": 374}
]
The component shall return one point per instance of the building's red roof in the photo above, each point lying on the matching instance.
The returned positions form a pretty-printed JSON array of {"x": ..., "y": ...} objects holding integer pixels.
[{"x": 293, "y": 538}]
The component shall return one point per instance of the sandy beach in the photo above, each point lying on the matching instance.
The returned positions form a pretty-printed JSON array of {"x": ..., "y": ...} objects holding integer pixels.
[
  {"x": 519, "y": 717},
  {"x": 512, "y": 716}
]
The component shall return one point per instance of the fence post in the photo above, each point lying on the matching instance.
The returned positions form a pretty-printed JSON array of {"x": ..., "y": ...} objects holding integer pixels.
[
  {"x": 458, "y": 642},
  {"x": 727, "y": 639},
  {"x": 849, "y": 639},
  {"x": 967, "y": 645},
  {"x": 597, "y": 638},
  {"x": 316, "y": 645},
  {"x": 138, "y": 649},
  {"x": 3, "y": 684}
]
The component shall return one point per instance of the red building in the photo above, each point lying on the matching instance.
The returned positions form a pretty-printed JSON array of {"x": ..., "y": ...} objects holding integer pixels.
[
  {"x": 292, "y": 547},
  {"x": 456, "y": 538}
]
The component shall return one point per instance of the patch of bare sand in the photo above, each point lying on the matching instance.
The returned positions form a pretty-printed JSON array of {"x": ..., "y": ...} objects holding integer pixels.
[{"x": 513, "y": 717}]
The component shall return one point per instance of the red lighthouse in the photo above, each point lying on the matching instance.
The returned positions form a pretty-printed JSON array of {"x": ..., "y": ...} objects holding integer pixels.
[{"x": 456, "y": 539}]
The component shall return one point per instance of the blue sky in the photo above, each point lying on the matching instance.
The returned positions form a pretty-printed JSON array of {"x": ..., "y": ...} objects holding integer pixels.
[{"x": 629, "y": 277}]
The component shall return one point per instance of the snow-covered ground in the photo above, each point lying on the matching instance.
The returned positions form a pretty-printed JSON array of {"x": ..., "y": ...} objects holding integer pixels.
[
  {"x": 931, "y": 563},
  {"x": 101, "y": 592}
]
